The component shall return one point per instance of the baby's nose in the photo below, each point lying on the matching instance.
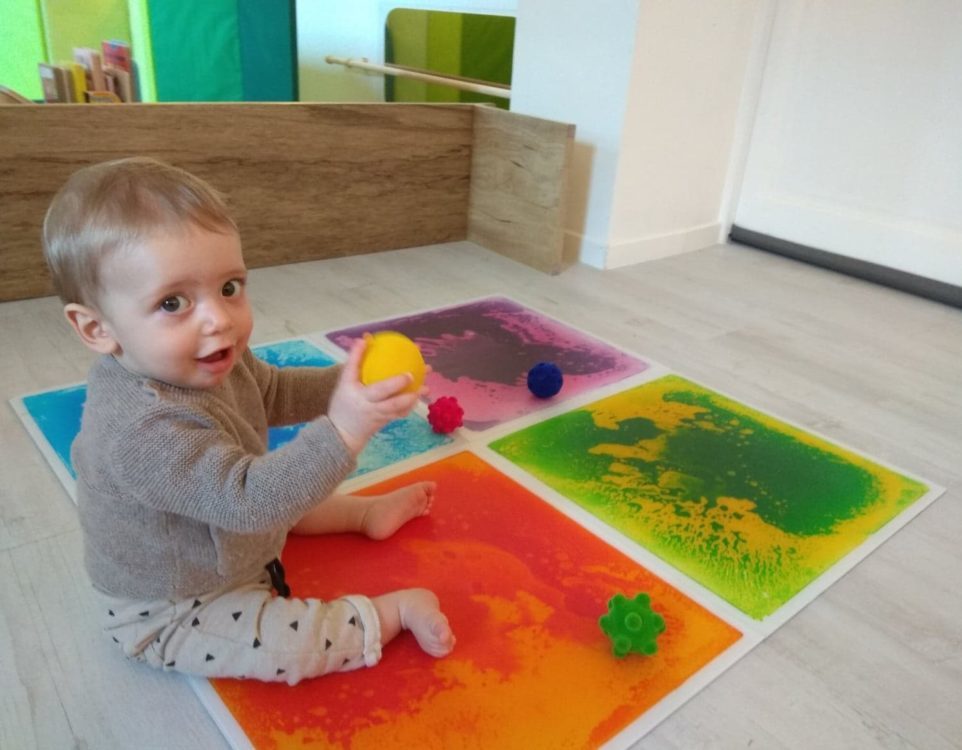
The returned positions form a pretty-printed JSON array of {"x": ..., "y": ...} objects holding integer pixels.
[{"x": 216, "y": 317}]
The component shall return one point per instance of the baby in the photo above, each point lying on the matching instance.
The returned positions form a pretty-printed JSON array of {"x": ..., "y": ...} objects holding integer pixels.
[{"x": 184, "y": 511}]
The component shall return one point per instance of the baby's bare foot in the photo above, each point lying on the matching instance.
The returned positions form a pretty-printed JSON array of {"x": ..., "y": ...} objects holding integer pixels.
[
  {"x": 421, "y": 614},
  {"x": 388, "y": 513}
]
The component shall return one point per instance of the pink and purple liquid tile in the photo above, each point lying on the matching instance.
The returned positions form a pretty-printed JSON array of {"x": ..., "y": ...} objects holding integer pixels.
[{"x": 480, "y": 353}]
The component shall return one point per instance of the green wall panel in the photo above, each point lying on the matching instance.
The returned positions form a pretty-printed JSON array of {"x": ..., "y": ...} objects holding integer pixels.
[
  {"x": 196, "y": 49},
  {"x": 406, "y": 43},
  {"x": 69, "y": 24},
  {"x": 268, "y": 50},
  {"x": 487, "y": 49},
  {"x": 141, "y": 49},
  {"x": 444, "y": 52},
  {"x": 216, "y": 50},
  {"x": 469, "y": 45},
  {"x": 23, "y": 47}
]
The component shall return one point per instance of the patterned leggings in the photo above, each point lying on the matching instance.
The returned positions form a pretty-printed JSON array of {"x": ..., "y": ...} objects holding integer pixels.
[{"x": 247, "y": 632}]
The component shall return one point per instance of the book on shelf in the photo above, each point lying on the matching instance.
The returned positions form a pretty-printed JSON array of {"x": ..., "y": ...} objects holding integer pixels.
[
  {"x": 92, "y": 62},
  {"x": 56, "y": 84},
  {"x": 116, "y": 53},
  {"x": 65, "y": 81},
  {"x": 119, "y": 82},
  {"x": 78, "y": 80},
  {"x": 96, "y": 76},
  {"x": 48, "y": 82}
]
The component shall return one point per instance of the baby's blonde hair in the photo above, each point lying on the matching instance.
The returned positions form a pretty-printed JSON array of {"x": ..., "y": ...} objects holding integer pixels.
[{"x": 115, "y": 205}]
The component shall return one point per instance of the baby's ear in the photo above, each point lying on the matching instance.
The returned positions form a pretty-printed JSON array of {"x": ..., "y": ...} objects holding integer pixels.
[{"x": 91, "y": 328}]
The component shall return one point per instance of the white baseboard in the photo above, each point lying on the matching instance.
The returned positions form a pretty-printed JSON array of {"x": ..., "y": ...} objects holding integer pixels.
[
  {"x": 593, "y": 252},
  {"x": 662, "y": 245}
]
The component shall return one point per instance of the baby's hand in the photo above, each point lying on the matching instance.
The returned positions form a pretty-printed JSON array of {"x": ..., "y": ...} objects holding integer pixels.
[{"x": 359, "y": 411}]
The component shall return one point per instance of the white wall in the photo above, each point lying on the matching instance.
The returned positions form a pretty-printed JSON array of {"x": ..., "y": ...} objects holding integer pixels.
[
  {"x": 572, "y": 62},
  {"x": 347, "y": 28},
  {"x": 654, "y": 88},
  {"x": 856, "y": 148},
  {"x": 686, "y": 85}
]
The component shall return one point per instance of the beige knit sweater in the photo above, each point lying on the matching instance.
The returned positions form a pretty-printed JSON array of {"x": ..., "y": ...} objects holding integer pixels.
[{"x": 176, "y": 490}]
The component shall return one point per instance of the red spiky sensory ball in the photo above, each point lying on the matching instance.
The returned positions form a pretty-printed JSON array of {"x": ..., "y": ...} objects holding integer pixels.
[{"x": 445, "y": 414}]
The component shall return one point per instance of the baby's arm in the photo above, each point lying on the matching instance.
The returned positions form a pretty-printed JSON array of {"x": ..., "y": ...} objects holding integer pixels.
[
  {"x": 293, "y": 394},
  {"x": 182, "y": 460},
  {"x": 178, "y": 459}
]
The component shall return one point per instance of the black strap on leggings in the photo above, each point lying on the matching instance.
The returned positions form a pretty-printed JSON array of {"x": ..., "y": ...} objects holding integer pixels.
[{"x": 276, "y": 572}]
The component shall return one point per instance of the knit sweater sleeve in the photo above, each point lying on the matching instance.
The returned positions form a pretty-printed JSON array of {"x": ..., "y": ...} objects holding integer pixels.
[
  {"x": 181, "y": 460},
  {"x": 293, "y": 394}
]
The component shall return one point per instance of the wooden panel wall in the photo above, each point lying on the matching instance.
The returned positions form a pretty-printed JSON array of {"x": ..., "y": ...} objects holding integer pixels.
[
  {"x": 518, "y": 179},
  {"x": 305, "y": 181}
]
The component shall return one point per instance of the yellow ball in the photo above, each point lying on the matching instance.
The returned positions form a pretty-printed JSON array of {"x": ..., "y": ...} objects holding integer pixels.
[{"x": 390, "y": 353}]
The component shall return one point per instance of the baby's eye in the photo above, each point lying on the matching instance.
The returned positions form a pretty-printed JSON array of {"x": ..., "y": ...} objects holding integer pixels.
[
  {"x": 232, "y": 288},
  {"x": 173, "y": 303}
]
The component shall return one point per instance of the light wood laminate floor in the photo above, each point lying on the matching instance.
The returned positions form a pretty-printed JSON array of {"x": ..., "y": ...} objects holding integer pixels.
[{"x": 876, "y": 661}]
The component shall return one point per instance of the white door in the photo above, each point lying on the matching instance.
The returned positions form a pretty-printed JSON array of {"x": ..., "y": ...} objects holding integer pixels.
[{"x": 856, "y": 147}]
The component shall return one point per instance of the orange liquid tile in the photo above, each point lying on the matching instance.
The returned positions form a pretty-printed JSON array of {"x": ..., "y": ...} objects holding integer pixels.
[{"x": 523, "y": 587}]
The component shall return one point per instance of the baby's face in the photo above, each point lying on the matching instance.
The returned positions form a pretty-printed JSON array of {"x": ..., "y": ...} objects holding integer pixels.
[{"x": 177, "y": 306}]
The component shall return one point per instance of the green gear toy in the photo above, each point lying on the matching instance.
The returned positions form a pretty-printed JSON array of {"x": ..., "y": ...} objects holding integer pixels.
[{"x": 631, "y": 625}]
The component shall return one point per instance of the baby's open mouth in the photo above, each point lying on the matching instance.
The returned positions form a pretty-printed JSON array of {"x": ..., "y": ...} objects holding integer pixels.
[{"x": 215, "y": 357}]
